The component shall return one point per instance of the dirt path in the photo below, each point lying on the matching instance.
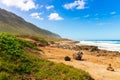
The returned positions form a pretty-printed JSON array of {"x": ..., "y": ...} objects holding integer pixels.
[{"x": 96, "y": 69}]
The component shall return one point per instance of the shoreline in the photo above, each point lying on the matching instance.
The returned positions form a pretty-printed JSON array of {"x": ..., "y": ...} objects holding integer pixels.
[
  {"x": 109, "y": 45},
  {"x": 77, "y": 46}
]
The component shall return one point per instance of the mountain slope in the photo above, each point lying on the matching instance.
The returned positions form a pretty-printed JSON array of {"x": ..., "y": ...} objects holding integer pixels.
[{"x": 12, "y": 23}]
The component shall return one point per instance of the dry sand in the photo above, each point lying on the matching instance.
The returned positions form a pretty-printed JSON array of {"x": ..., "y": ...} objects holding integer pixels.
[{"x": 95, "y": 66}]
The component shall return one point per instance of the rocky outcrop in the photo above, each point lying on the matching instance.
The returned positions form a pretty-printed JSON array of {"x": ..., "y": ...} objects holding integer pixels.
[
  {"x": 86, "y": 47},
  {"x": 77, "y": 56},
  {"x": 72, "y": 45},
  {"x": 41, "y": 44},
  {"x": 65, "y": 45}
]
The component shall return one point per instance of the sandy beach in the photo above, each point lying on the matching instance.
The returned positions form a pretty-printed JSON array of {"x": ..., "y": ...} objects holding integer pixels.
[{"x": 93, "y": 64}]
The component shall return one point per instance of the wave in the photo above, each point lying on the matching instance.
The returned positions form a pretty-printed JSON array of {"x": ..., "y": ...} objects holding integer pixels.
[{"x": 104, "y": 45}]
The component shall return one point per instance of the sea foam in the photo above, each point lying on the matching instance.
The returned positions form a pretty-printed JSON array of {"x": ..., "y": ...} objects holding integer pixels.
[{"x": 104, "y": 45}]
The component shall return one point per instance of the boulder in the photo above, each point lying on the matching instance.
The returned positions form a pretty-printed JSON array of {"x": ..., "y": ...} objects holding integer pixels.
[
  {"x": 67, "y": 58},
  {"x": 94, "y": 48},
  {"x": 77, "y": 56}
]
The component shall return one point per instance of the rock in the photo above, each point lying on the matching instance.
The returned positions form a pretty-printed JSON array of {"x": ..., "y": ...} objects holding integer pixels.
[
  {"x": 110, "y": 68},
  {"x": 78, "y": 56},
  {"x": 67, "y": 58},
  {"x": 86, "y": 47},
  {"x": 41, "y": 44},
  {"x": 94, "y": 48}
]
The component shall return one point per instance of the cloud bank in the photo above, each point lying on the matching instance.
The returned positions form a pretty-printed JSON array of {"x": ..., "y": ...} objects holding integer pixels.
[{"x": 24, "y": 5}]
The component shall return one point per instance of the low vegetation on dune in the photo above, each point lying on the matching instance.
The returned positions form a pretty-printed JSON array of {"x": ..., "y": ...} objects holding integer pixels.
[{"x": 17, "y": 64}]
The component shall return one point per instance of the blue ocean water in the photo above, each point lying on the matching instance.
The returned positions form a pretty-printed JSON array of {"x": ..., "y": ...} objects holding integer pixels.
[{"x": 110, "y": 45}]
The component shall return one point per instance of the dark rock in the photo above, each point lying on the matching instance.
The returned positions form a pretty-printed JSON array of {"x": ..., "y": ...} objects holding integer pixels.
[{"x": 67, "y": 58}]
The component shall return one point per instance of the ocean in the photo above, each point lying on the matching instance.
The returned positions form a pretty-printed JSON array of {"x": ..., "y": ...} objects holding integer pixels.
[{"x": 110, "y": 45}]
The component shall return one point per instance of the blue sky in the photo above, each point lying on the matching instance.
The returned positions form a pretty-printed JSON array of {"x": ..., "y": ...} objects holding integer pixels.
[{"x": 73, "y": 19}]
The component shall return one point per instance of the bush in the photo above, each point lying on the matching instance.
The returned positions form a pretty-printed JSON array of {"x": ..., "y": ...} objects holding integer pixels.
[
  {"x": 27, "y": 44},
  {"x": 13, "y": 55},
  {"x": 52, "y": 42},
  {"x": 10, "y": 48},
  {"x": 4, "y": 76},
  {"x": 43, "y": 40}
]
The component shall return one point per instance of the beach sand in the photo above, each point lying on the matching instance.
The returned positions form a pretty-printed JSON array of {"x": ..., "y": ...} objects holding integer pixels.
[{"x": 94, "y": 65}]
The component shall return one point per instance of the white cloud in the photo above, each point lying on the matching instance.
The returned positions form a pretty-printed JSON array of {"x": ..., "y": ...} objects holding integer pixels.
[
  {"x": 78, "y": 4},
  {"x": 36, "y": 16},
  {"x": 55, "y": 17},
  {"x": 25, "y": 5},
  {"x": 112, "y": 13},
  {"x": 49, "y": 7},
  {"x": 86, "y": 16}
]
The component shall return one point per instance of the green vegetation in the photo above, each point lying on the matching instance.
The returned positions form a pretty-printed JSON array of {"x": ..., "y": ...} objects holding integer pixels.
[
  {"x": 28, "y": 44},
  {"x": 16, "y": 64},
  {"x": 42, "y": 40}
]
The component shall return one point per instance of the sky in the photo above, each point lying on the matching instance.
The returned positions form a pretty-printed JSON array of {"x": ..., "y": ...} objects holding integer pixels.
[{"x": 73, "y": 19}]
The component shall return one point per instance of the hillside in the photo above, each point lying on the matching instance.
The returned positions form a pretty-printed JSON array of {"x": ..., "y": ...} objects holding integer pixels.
[
  {"x": 14, "y": 24},
  {"x": 19, "y": 63}
]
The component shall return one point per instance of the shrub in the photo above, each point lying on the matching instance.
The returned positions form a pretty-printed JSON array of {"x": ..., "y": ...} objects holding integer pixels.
[
  {"x": 4, "y": 76},
  {"x": 10, "y": 46},
  {"x": 42, "y": 40},
  {"x": 27, "y": 44},
  {"x": 52, "y": 42}
]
